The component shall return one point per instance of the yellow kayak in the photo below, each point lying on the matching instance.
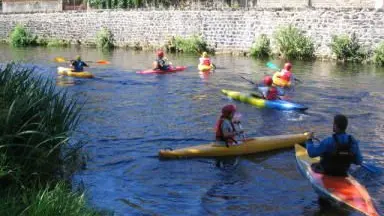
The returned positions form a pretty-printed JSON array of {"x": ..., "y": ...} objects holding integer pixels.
[
  {"x": 249, "y": 146},
  {"x": 68, "y": 72}
]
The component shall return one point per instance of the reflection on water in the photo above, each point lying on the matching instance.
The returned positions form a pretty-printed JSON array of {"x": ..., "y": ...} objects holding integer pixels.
[{"x": 128, "y": 118}]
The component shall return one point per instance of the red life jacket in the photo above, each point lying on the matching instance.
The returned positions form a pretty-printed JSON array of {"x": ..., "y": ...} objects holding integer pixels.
[
  {"x": 207, "y": 61},
  {"x": 219, "y": 132},
  {"x": 286, "y": 75},
  {"x": 272, "y": 94}
]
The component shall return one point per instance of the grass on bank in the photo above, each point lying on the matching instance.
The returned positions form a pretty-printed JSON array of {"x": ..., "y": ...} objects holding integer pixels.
[
  {"x": 104, "y": 39},
  {"x": 293, "y": 44},
  {"x": 378, "y": 56},
  {"x": 193, "y": 44},
  {"x": 348, "y": 48},
  {"x": 36, "y": 123},
  {"x": 261, "y": 48}
]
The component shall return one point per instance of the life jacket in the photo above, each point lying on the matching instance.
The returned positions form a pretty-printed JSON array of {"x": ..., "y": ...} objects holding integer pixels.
[
  {"x": 78, "y": 66},
  {"x": 338, "y": 162},
  {"x": 220, "y": 135},
  {"x": 272, "y": 93},
  {"x": 161, "y": 64},
  {"x": 285, "y": 75},
  {"x": 207, "y": 61}
]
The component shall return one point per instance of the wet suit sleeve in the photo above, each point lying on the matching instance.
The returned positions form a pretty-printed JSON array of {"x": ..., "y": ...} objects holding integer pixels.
[
  {"x": 315, "y": 150},
  {"x": 358, "y": 160},
  {"x": 85, "y": 64}
]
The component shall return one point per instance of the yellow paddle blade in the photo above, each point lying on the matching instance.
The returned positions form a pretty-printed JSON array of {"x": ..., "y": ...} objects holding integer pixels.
[{"x": 60, "y": 59}]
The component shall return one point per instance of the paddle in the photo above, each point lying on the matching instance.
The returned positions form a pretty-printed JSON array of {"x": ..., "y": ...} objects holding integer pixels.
[
  {"x": 62, "y": 60},
  {"x": 368, "y": 167},
  {"x": 250, "y": 81},
  {"x": 274, "y": 67}
]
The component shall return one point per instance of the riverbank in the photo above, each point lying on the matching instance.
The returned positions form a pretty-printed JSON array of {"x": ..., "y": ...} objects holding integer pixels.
[{"x": 36, "y": 160}]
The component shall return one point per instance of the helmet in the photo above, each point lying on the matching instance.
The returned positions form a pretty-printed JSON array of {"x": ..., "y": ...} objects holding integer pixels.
[
  {"x": 288, "y": 66},
  {"x": 268, "y": 80},
  {"x": 228, "y": 109},
  {"x": 205, "y": 54},
  {"x": 78, "y": 58},
  {"x": 160, "y": 53}
]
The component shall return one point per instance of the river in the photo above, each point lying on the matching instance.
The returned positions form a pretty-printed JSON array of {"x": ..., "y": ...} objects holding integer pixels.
[{"x": 127, "y": 118}]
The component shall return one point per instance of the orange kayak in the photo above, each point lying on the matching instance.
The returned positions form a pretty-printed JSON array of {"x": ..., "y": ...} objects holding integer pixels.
[{"x": 344, "y": 190}]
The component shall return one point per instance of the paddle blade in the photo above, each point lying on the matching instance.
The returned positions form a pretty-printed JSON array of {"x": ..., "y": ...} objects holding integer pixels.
[
  {"x": 60, "y": 59},
  {"x": 103, "y": 62},
  {"x": 272, "y": 66}
]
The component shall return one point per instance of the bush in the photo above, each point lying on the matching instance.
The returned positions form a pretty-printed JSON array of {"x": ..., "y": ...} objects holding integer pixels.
[
  {"x": 378, "y": 57},
  {"x": 36, "y": 120},
  {"x": 193, "y": 44},
  {"x": 57, "y": 43},
  {"x": 21, "y": 37},
  {"x": 104, "y": 39},
  {"x": 261, "y": 47},
  {"x": 293, "y": 44},
  {"x": 347, "y": 48}
]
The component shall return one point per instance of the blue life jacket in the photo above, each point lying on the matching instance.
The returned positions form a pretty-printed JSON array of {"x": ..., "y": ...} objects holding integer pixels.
[
  {"x": 338, "y": 162},
  {"x": 78, "y": 66}
]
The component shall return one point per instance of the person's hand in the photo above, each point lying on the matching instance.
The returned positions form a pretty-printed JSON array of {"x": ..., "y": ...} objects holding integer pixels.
[{"x": 311, "y": 135}]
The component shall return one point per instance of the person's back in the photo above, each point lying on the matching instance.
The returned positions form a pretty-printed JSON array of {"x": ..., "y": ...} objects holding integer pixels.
[
  {"x": 78, "y": 65},
  {"x": 337, "y": 152},
  {"x": 270, "y": 92}
]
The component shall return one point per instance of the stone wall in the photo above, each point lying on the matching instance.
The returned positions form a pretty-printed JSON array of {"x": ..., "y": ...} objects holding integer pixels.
[
  {"x": 32, "y": 6},
  {"x": 232, "y": 30}
]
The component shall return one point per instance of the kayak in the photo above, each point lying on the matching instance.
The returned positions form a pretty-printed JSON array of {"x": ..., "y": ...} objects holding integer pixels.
[
  {"x": 249, "y": 146},
  {"x": 345, "y": 190},
  {"x": 205, "y": 68},
  {"x": 261, "y": 103},
  {"x": 280, "y": 82},
  {"x": 68, "y": 72},
  {"x": 170, "y": 70}
]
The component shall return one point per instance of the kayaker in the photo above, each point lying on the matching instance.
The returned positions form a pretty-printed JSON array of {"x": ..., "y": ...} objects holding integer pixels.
[
  {"x": 269, "y": 92},
  {"x": 205, "y": 60},
  {"x": 78, "y": 65},
  {"x": 337, "y": 152},
  {"x": 225, "y": 128},
  {"x": 286, "y": 72},
  {"x": 160, "y": 63}
]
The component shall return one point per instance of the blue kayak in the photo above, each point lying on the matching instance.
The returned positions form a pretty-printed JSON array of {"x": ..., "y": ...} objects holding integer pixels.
[{"x": 261, "y": 103}]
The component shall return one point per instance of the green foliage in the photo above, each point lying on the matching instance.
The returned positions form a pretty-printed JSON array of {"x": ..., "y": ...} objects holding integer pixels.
[
  {"x": 261, "y": 47},
  {"x": 293, "y": 44},
  {"x": 104, "y": 39},
  {"x": 347, "y": 48},
  {"x": 193, "y": 44},
  {"x": 378, "y": 57},
  {"x": 57, "y": 43},
  {"x": 21, "y": 37},
  {"x": 36, "y": 120},
  {"x": 56, "y": 200}
]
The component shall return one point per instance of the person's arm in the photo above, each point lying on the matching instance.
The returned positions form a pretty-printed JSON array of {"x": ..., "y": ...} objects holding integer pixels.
[
  {"x": 85, "y": 64},
  {"x": 358, "y": 160},
  {"x": 315, "y": 150}
]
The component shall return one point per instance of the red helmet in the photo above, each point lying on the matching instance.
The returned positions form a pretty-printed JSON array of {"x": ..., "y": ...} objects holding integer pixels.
[
  {"x": 288, "y": 66},
  {"x": 268, "y": 80},
  {"x": 228, "y": 109},
  {"x": 160, "y": 53}
]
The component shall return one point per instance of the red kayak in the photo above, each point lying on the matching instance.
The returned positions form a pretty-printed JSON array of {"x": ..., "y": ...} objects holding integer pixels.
[
  {"x": 344, "y": 190},
  {"x": 170, "y": 70}
]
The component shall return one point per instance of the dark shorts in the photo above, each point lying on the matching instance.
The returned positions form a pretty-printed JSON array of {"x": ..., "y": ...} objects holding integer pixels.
[{"x": 317, "y": 168}]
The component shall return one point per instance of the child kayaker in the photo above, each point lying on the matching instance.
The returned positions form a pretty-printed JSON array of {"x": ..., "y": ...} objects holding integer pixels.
[
  {"x": 160, "y": 63},
  {"x": 337, "y": 152},
  {"x": 269, "y": 92},
  {"x": 78, "y": 65},
  {"x": 225, "y": 128},
  {"x": 204, "y": 59}
]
